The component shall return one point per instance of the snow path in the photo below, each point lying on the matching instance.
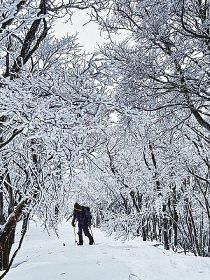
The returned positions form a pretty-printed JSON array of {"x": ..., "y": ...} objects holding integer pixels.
[{"x": 44, "y": 257}]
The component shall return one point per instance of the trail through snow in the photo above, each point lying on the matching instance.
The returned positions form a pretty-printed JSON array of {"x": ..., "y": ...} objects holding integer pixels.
[{"x": 44, "y": 257}]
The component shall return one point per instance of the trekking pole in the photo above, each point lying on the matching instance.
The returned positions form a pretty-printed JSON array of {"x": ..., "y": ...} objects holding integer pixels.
[
  {"x": 75, "y": 238},
  {"x": 92, "y": 236}
]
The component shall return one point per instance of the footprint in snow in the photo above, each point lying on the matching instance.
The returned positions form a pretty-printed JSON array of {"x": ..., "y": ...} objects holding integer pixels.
[{"x": 133, "y": 277}]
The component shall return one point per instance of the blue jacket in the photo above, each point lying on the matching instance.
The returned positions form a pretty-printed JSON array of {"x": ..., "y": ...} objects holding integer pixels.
[{"x": 83, "y": 217}]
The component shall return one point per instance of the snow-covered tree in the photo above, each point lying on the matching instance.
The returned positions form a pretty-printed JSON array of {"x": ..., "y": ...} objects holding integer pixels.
[
  {"x": 161, "y": 72},
  {"x": 53, "y": 100}
]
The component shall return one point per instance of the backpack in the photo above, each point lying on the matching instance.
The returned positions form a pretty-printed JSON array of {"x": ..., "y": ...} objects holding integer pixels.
[{"x": 88, "y": 216}]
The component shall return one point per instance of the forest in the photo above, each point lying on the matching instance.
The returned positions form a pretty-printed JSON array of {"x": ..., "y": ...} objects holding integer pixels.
[{"x": 124, "y": 129}]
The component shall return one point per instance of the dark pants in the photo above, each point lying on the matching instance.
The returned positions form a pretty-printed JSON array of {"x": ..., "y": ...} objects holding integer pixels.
[{"x": 83, "y": 228}]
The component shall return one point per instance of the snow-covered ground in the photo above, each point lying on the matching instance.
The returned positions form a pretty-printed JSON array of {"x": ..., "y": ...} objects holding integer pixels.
[{"x": 44, "y": 257}]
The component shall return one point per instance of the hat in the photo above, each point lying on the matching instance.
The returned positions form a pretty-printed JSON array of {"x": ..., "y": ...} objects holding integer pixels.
[{"x": 77, "y": 207}]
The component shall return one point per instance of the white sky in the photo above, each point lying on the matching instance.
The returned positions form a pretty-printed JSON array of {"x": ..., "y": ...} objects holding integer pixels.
[{"x": 88, "y": 34}]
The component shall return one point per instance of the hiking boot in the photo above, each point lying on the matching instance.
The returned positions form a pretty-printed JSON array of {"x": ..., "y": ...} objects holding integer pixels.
[
  {"x": 91, "y": 241},
  {"x": 80, "y": 240}
]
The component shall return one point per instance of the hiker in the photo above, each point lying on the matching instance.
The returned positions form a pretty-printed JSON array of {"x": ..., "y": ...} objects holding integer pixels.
[{"x": 83, "y": 217}]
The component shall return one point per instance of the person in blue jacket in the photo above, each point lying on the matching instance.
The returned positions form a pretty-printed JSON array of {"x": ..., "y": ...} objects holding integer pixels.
[{"x": 83, "y": 217}]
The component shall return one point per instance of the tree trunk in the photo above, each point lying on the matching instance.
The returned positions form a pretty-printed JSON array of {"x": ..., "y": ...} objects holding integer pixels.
[
  {"x": 5, "y": 248},
  {"x": 6, "y": 241},
  {"x": 194, "y": 233},
  {"x": 208, "y": 253},
  {"x": 165, "y": 229},
  {"x": 2, "y": 218},
  {"x": 7, "y": 235},
  {"x": 144, "y": 234}
]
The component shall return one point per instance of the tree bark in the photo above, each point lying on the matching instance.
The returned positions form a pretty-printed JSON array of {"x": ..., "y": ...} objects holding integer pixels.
[
  {"x": 165, "y": 229},
  {"x": 7, "y": 235}
]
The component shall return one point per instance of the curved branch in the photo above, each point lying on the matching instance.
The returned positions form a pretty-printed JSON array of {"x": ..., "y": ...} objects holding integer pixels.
[
  {"x": 14, "y": 134},
  {"x": 200, "y": 120},
  {"x": 190, "y": 31}
]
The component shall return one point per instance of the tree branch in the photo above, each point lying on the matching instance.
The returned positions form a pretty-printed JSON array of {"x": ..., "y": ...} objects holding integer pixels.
[{"x": 14, "y": 134}]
